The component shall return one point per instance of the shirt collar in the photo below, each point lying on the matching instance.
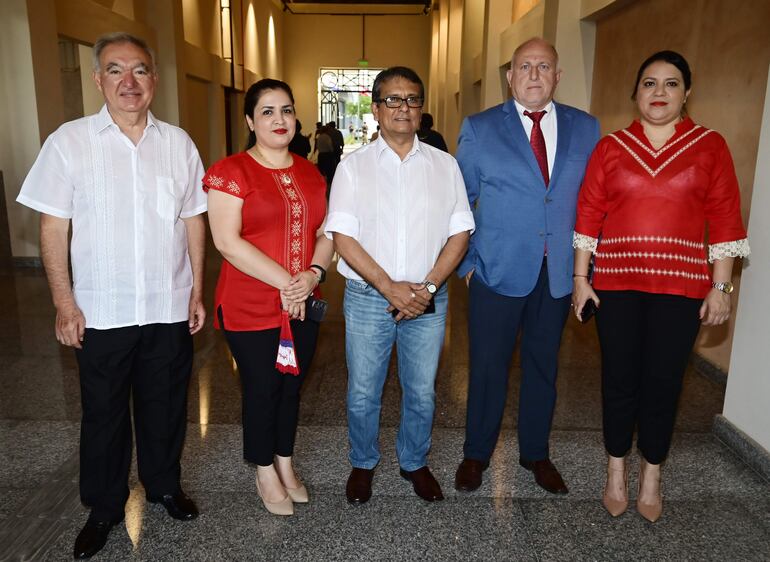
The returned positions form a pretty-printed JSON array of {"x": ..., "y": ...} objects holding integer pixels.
[
  {"x": 104, "y": 120},
  {"x": 521, "y": 109},
  {"x": 380, "y": 145}
]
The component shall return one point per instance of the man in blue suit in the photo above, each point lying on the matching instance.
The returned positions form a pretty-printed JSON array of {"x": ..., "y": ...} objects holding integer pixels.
[{"x": 523, "y": 163}]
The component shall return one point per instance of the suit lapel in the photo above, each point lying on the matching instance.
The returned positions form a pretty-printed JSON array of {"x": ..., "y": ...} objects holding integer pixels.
[
  {"x": 520, "y": 140},
  {"x": 564, "y": 132}
]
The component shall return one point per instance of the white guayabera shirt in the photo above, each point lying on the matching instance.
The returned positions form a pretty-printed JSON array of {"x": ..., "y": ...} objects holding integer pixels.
[
  {"x": 401, "y": 212},
  {"x": 130, "y": 264}
]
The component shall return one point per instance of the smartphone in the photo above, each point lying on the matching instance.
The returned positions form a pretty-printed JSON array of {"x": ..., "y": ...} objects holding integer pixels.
[
  {"x": 589, "y": 309},
  {"x": 315, "y": 309}
]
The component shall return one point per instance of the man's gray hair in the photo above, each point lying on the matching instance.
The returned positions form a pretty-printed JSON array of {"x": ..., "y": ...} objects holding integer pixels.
[{"x": 117, "y": 38}]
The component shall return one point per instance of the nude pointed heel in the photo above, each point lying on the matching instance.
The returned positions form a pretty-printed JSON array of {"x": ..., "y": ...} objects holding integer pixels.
[
  {"x": 298, "y": 495},
  {"x": 283, "y": 507},
  {"x": 613, "y": 506},
  {"x": 650, "y": 511}
]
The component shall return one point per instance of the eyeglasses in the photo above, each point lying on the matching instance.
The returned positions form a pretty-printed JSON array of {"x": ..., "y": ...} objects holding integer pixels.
[{"x": 395, "y": 102}]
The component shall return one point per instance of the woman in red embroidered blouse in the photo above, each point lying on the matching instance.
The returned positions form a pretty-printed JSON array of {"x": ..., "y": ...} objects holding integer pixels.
[
  {"x": 266, "y": 210},
  {"x": 649, "y": 192}
]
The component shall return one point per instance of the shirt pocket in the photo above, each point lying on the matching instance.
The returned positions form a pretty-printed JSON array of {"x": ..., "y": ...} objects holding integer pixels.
[{"x": 167, "y": 204}]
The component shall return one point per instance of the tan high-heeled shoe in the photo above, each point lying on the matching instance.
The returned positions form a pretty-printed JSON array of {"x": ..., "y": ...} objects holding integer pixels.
[
  {"x": 650, "y": 511},
  {"x": 298, "y": 495},
  {"x": 283, "y": 507},
  {"x": 614, "y": 506}
]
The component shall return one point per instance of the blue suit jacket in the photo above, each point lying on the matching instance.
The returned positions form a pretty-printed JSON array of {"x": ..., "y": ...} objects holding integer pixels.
[{"x": 515, "y": 215}]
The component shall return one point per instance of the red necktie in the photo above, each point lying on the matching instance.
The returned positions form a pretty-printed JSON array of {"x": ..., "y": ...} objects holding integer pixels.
[{"x": 537, "y": 140}]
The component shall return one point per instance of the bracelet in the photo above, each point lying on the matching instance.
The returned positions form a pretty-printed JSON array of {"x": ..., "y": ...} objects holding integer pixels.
[
  {"x": 321, "y": 270},
  {"x": 576, "y": 275}
]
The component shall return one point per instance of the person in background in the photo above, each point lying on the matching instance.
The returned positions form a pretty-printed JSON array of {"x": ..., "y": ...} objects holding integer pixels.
[
  {"x": 266, "y": 209},
  {"x": 327, "y": 157},
  {"x": 427, "y": 135},
  {"x": 130, "y": 185},
  {"x": 337, "y": 140},
  {"x": 651, "y": 192},
  {"x": 300, "y": 144}
]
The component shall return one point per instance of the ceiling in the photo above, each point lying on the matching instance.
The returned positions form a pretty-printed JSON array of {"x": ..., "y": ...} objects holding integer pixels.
[{"x": 338, "y": 7}]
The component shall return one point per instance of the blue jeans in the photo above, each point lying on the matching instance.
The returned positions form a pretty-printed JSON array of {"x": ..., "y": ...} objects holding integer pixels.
[{"x": 370, "y": 333}]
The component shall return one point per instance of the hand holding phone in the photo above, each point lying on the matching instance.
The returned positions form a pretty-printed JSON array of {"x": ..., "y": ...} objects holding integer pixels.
[{"x": 589, "y": 309}]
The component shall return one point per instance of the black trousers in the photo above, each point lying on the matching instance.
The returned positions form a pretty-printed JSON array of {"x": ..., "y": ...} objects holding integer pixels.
[
  {"x": 149, "y": 366},
  {"x": 494, "y": 322},
  {"x": 645, "y": 340},
  {"x": 270, "y": 399}
]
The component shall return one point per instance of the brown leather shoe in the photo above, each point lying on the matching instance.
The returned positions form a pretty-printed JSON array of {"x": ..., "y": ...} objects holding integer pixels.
[
  {"x": 546, "y": 475},
  {"x": 359, "y": 486},
  {"x": 424, "y": 484},
  {"x": 468, "y": 476}
]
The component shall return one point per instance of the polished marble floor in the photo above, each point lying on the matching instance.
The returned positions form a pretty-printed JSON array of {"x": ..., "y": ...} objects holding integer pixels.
[{"x": 716, "y": 507}]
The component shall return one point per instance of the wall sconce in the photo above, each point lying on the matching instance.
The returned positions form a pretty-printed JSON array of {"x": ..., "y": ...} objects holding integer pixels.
[{"x": 225, "y": 19}]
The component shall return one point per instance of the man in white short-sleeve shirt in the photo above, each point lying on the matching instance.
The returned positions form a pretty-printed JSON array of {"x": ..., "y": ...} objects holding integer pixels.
[
  {"x": 131, "y": 187},
  {"x": 400, "y": 219}
]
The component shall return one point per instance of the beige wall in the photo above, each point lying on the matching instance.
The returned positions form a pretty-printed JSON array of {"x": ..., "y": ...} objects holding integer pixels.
[
  {"x": 19, "y": 133},
  {"x": 312, "y": 42},
  {"x": 726, "y": 45}
]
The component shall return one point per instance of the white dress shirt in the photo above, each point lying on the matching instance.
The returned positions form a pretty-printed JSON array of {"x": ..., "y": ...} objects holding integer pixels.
[
  {"x": 549, "y": 127},
  {"x": 130, "y": 264},
  {"x": 401, "y": 212}
]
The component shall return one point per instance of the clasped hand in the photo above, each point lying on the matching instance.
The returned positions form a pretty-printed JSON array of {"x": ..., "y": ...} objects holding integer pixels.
[
  {"x": 410, "y": 299},
  {"x": 294, "y": 295}
]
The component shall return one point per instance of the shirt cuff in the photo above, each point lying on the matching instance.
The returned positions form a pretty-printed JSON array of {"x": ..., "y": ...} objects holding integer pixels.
[
  {"x": 732, "y": 249},
  {"x": 195, "y": 212},
  {"x": 343, "y": 223},
  {"x": 583, "y": 242},
  {"x": 42, "y": 207},
  {"x": 461, "y": 222}
]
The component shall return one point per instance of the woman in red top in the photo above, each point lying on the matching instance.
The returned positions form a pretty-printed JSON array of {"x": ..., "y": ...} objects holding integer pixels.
[
  {"x": 266, "y": 210},
  {"x": 648, "y": 194}
]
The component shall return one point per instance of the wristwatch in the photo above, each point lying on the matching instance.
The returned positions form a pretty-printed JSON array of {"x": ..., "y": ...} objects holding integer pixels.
[
  {"x": 320, "y": 270},
  {"x": 431, "y": 286},
  {"x": 724, "y": 286}
]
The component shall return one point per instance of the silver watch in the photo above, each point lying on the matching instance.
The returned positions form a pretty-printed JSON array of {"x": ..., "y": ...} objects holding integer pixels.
[
  {"x": 431, "y": 286},
  {"x": 724, "y": 286}
]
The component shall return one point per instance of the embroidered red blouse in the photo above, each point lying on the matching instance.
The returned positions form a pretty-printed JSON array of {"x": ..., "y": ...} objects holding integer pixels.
[
  {"x": 282, "y": 210},
  {"x": 644, "y": 211}
]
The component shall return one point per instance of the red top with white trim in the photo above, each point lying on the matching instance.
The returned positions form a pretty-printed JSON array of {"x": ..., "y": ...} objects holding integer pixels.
[
  {"x": 282, "y": 211},
  {"x": 644, "y": 212}
]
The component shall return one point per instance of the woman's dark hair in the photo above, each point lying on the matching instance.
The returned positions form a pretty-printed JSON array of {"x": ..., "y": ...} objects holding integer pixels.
[
  {"x": 671, "y": 57},
  {"x": 255, "y": 91},
  {"x": 395, "y": 72}
]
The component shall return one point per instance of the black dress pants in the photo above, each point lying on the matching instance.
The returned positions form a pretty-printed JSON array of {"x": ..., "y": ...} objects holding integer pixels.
[
  {"x": 270, "y": 399},
  {"x": 646, "y": 340},
  {"x": 149, "y": 366}
]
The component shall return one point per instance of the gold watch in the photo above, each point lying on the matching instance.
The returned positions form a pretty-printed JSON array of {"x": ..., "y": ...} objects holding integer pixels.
[{"x": 724, "y": 286}]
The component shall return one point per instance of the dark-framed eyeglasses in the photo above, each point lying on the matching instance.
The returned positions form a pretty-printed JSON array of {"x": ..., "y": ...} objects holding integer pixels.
[{"x": 395, "y": 102}]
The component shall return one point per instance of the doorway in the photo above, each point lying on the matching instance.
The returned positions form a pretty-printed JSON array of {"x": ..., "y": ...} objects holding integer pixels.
[{"x": 345, "y": 96}]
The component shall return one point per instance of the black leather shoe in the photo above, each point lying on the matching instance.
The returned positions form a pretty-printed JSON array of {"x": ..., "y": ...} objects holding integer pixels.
[
  {"x": 424, "y": 484},
  {"x": 178, "y": 505},
  {"x": 468, "y": 476},
  {"x": 92, "y": 538},
  {"x": 359, "y": 486},
  {"x": 546, "y": 475}
]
